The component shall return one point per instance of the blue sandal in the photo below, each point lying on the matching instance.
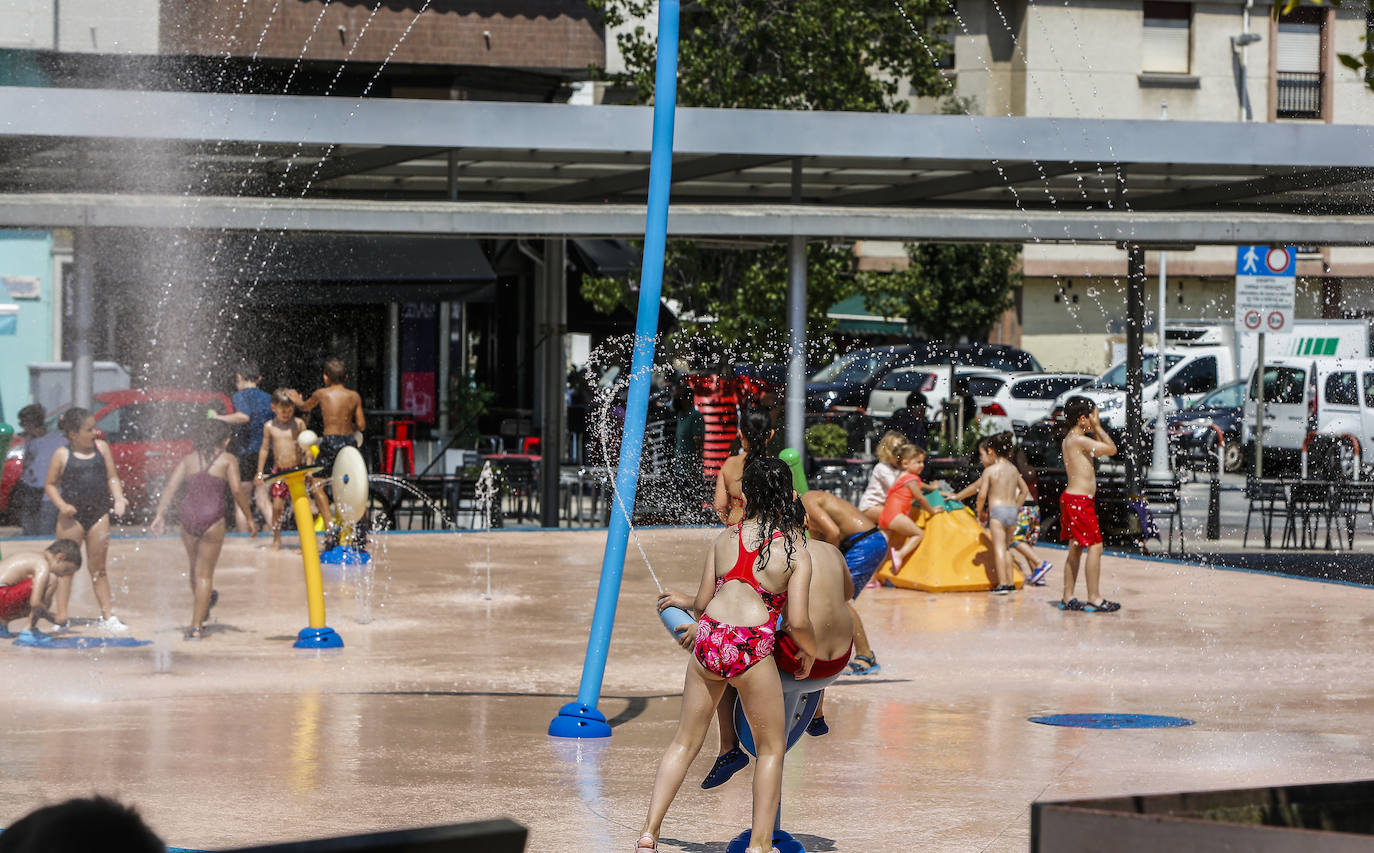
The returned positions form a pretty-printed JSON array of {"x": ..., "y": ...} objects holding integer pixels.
[
  {"x": 1103, "y": 606},
  {"x": 726, "y": 765},
  {"x": 1072, "y": 604},
  {"x": 868, "y": 667}
]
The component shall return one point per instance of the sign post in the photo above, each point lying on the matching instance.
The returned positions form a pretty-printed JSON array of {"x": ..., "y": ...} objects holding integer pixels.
[{"x": 1266, "y": 278}]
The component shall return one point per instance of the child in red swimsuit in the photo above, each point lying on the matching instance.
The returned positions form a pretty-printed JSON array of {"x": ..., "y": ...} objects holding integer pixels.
[
  {"x": 908, "y": 489},
  {"x": 1086, "y": 442},
  {"x": 739, "y": 610},
  {"x": 208, "y": 472}
]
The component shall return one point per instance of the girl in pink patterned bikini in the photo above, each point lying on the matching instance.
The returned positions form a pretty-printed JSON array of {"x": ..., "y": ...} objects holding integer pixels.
[{"x": 738, "y": 615}]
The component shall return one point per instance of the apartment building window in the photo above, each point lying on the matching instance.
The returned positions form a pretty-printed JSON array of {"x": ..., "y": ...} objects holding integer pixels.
[
  {"x": 942, "y": 30},
  {"x": 1298, "y": 63},
  {"x": 1168, "y": 37}
]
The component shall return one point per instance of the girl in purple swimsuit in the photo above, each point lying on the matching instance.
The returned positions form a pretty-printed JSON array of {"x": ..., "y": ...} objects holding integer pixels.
[
  {"x": 752, "y": 569},
  {"x": 209, "y": 473}
]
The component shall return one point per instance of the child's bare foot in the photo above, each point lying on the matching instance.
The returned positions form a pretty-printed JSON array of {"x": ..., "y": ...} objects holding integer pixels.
[{"x": 649, "y": 837}]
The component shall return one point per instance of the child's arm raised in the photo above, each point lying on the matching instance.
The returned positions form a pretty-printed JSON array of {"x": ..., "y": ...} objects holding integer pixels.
[
  {"x": 304, "y": 404},
  {"x": 1099, "y": 443},
  {"x": 969, "y": 491},
  {"x": 173, "y": 483}
]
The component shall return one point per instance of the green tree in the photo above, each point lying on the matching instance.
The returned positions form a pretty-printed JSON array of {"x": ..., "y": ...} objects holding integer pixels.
[
  {"x": 788, "y": 54},
  {"x": 951, "y": 291}
]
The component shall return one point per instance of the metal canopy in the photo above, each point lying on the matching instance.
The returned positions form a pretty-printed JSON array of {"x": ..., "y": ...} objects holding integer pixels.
[{"x": 158, "y": 159}]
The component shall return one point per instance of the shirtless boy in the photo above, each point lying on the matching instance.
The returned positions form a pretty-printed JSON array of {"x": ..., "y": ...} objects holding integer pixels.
[
  {"x": 1001, "y": 491},
  {"x": 28, "y": 582},
  {"x": 828, "y": 606},
  {"x": 342, "y": 412},
  {"x": 1086, "y": 441},
  {"x": 279, "y": 437},
  {"x": 837, "y": 521}
]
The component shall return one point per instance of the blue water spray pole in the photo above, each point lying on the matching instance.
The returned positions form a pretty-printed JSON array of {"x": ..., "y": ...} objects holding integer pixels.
[{"x": 581, "y": 719}]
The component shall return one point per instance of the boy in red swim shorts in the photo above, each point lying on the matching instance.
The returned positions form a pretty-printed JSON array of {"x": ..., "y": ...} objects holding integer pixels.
[
  {"x": 28, "y": 581},
  {"x": 1086, "y": 441}
]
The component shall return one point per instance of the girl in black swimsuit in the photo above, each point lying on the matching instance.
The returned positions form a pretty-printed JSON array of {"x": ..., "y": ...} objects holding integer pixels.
[{"x": 81, "y": 482}]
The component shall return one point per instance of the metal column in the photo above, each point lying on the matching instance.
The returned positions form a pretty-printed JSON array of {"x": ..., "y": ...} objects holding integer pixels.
[
  {"x": 1160, "y": 463},
  {"x": 796, "y": 326},
  {"x": 1135, "y": 322},
  {"x": 83, "y": 319},
  {"x": 445, "y": 353},
  {"x": 393, "y": 355},
  {"x": 549, "y": 355}
]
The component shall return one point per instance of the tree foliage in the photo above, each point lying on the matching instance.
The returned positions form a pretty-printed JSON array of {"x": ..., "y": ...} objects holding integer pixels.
[
  {"x": 952, "y": 291},
  {"x": 787, "y": 54}
]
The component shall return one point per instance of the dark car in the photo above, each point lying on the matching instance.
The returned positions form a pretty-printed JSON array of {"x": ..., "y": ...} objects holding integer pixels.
[
  {"x": 1193, "y": 434},
  {"x": 847, "y": 383}
]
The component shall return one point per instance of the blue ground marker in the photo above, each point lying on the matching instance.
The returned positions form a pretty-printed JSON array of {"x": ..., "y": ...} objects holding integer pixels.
[
  {"x": 50, "y": 642},
  {"x": 1112, "y": 721}
]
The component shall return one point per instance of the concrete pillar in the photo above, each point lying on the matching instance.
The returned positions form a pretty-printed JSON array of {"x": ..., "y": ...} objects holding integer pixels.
[
  {"x": 83, "y": 318},
  {"x": 1135, "y": 327},
  {"x": 393, "y": 355},
  {"x": 796, "y": 327},
  {"x": 549, "y": 355}
]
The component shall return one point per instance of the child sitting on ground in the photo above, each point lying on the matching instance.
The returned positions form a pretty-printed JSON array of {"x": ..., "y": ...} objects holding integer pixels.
[
  {"x": 279, "y": 438},
  {"x": 207, "y": 472},
  {"x": 739, "y": 608},
  {"x": 907, "y": 490},
  {"x": 29, "y": 581}
]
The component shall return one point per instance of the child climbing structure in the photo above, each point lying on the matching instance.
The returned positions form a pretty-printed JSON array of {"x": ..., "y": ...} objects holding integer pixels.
[{"x": 954, "y": 556}]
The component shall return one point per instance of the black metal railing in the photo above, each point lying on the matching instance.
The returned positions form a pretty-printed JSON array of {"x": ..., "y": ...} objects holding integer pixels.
[{"x": 1299, "y": 94}]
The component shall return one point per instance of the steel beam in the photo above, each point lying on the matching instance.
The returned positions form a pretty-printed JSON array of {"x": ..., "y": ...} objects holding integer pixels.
[
  {"x": 701, "y": 167},
  {"x": 727, "y": 221},
  {"x": 954, "y": 184},
  {"x": 1211, "y": 194}
]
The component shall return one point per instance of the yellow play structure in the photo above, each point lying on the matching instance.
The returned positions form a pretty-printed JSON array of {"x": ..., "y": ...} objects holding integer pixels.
[{"x": 955, "y": 556}]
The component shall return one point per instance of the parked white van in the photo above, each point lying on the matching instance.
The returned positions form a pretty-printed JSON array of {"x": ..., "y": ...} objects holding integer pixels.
[{"x": 1328, "y": 397}]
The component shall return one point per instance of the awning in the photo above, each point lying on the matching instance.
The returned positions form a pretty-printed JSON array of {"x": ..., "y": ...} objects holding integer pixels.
[
  {"x": 851, "y": 318},
  {"x": 606, "y": 257},
  {"x": 304, "y": 267}
]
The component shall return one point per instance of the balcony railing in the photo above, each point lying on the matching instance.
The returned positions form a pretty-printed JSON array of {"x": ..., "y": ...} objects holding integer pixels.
[{"x": 1299, "y": 94}]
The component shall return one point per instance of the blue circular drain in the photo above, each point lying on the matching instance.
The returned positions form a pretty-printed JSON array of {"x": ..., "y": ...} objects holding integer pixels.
[{"x": 1112, "y": 721}]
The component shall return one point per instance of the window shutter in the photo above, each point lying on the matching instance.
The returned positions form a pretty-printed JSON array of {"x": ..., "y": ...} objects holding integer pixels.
[
  {"x": 1166, "y": 45},
  {"x": 1299, "y": 47}
]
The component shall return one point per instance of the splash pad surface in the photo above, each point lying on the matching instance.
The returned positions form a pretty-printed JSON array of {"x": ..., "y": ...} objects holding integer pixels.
[{"x": 436, "y": 710}]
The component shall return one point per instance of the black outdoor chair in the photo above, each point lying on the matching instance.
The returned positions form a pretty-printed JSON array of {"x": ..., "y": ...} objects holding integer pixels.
[
  {"x": 522, "y": 487},
  {"x": 1267, "y": 497},
  {"x": 1311, "y": 503},
  {"x": 1163, "y": 502},
  {"x": 1355, "y": 499}
]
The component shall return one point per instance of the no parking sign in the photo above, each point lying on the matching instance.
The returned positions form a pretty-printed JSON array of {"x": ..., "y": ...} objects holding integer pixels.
[{"x": 1266, "y": 277}]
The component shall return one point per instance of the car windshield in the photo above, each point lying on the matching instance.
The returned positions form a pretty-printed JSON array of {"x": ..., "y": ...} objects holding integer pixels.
[
  {"x": 1046, "y": 388},
  {"x": 853, "y": 368},
  {"x": 1227, "y": 396},
  {"x": 1116, "y": 377}
]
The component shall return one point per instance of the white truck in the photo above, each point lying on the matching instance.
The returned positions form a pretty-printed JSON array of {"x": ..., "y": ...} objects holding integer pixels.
[{"x": 1200, "y": 357}]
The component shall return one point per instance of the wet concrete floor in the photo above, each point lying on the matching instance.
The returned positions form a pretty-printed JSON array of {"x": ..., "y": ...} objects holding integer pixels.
[{"x": 436, "y": 710}]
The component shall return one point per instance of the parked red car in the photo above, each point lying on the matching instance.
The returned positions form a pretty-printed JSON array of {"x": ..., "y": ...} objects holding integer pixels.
[{"x": 148, "y": 431}]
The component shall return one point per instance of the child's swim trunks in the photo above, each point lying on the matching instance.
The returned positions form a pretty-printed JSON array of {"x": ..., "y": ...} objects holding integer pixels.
[
  {"x": 863, "y": 553},
  {"x": 785, "y": 653},
  {"x": 1078, "y": 520},
  {"x": 14, "y": 600},
  {"x": 330, "y": 445}
]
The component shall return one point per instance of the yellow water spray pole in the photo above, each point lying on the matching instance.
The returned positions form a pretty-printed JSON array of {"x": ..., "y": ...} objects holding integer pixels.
[{"x": 316, "y": 635}]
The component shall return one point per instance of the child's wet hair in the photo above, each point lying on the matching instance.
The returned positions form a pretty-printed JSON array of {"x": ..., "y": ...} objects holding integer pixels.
[
  {"x": 908, "y": 451},
  {"x": 32, "y": 415},
  {"x": 755, "y": 426},
  {"x": 1002, "y": 444},
  {"x": 769, "y": 500},
  {"x": 888, "y": 446},
  {"x": 281, "y": 398},
  {"x": 1076, "y": 408},
  {"x": 72, "y": 419},
  {"x": 335, "y": 371},
  {"x": 209, "y": 437},
  {"x": 67, "y": 550}
]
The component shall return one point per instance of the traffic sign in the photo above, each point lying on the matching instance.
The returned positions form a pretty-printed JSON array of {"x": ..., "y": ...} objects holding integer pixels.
[{"x": 1266, "y": 277}]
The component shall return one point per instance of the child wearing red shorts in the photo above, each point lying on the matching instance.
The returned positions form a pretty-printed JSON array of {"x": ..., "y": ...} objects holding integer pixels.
[
  {"x": 28, "y": 581},
  {"x": 1085, "y": 442}
]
